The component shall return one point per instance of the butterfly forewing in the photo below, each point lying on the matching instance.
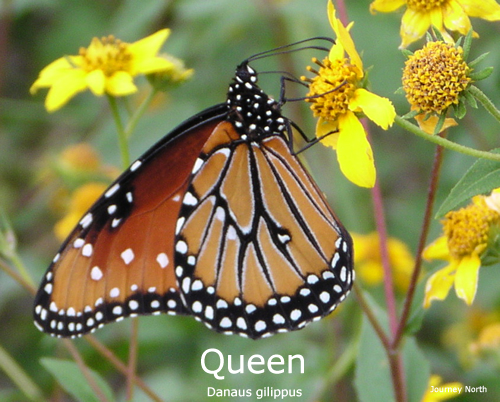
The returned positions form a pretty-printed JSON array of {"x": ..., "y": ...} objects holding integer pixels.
[{"x": 119, "y": 260}]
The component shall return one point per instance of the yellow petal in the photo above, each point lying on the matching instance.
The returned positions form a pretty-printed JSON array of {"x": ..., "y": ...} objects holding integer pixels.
[
  {"x": 466, "y": 278},
  {"x": 413, "y": 26},
  {"x": 151, "y": 65},
  {"x": 52, "y": 73},
  {"x": 354, "y": 152},
  {"x": 329, "y": 130},
  {"x": 428, "y": 124},
  {"x": 386, "y": 6},
  {"x": 345, "y": 40},
  {"x": 149, "y": 46},
  {"x": 439, "y": 284},
  {"x": 67, "y": 86},
  {"x": 436, "y": 18},
  {"x": 493, "y": 200},
  {"x": 455, "y": 18},
  {"x": 378, "y": 109},
  {"x": 120, "y": 84},
  {"x": 96, "y": 81},
  {"x": 486, "y": 9},
  {"x": 437, "y": 250}
]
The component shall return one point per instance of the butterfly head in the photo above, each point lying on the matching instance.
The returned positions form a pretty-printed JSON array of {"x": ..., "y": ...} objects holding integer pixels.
[{"x": 253, "y": 113}]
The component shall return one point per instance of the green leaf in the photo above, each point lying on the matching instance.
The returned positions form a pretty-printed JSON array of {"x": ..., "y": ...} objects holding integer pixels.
[
  {"x": 481, "y": 75},
  {"x": 460, "y": 110},
  {"x": 482, "y": 177},
  {"x": 69, "y": 376},
  {"x": 467, "y": 44},
  {"x": 417, "y": 370},
  {"x": 478, "y": 60},
  {"x": 373, "y": 380},
  {"x": 470, "y": 99},
  {"x": 372, "y": 377}
]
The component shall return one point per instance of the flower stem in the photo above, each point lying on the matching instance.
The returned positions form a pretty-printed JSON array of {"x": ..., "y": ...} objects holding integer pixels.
[
  {"x": 485, "y": 101},
  {"x": 431, "y": 196},
  {"x": 445, "y": 143},
  {"x": 132, "y": 358},
  {"x": 384, "y": 256},
  {"x": 122, "y": 135},
  {"x": 136, "y": 116},
  {"x": 371, "y": 316},
  {"x": 120, "y": 366},
  {"x": 85, "y": 370},
  {"x": 19, "y": 377}
]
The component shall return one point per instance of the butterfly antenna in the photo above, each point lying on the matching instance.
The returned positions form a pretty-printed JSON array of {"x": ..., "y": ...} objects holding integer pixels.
[{"x": 286, "y": 48}]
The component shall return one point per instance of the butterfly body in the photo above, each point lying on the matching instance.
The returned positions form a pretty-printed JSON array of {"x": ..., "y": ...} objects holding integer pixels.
[{"x": 219, "y": 220}]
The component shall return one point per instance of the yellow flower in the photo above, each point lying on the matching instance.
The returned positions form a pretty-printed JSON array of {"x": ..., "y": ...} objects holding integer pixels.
[
  {"x": 452, "y": 15},
  {"x": 466, "y": 235},
  {"x": 488, "y": 340},
  {"x": 108, "y": 66},
  {"x": 435, "y": 78},
  {"x": 81, "y": 200},
  {"x": 440, "y": 392},
  {"x": 75, "y": 166},
  {"x": 337, "y": 96},
  {"x": 369, "y": 263}
]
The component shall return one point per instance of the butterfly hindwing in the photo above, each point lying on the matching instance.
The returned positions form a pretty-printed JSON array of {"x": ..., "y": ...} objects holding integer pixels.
[{"x": 258, "y": 250}]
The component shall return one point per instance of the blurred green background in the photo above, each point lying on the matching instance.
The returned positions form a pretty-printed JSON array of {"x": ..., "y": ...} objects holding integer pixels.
[{"x": 213, "y": 37}]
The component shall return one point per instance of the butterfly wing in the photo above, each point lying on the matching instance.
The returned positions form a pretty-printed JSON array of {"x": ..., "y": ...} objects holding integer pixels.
[
  {"x": 118, "y": 261},
  {"x": 258, "y": 250}
]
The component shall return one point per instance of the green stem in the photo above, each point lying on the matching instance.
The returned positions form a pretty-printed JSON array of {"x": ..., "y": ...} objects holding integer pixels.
[
  {"x": 19, "y": 377},
  {"x": 453, "y": 146},
  {"x": 485, "y": 101},
  {"x": 136, "y": 116},
  {"x": 18, "y": 263},
  {"x": 122, "y": 135}
]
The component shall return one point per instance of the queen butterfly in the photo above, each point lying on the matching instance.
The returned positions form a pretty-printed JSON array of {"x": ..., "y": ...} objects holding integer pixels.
[{"x": 218, "y": 220}]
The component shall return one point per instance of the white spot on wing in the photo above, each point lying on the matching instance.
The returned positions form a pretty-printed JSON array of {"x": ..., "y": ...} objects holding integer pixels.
[
  {"x": 295, "y": 314},
  {"x": 135, "y": 165},
  {"x": 87, "y": 250},
  {"x": 86, "y": 220},
  {"x": 115, "y": 292},
  {"x": 181, "y": 247},
  {"x": 324, "y": 297},
  {"x": 189, "y": 199},
  {"x": 113, "y": 189},
  {"x": 241, "y": 323},
  {"x": 162, "y": 259},
  {"x": 260, "y": 326},
  {"x": 197, "y": 165},
  {"x": 225, "y": 322},
  {"x": 179, "y": 224},
  {"x": 96, "y": 273},
  {"x": 127, "y": 256}
]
